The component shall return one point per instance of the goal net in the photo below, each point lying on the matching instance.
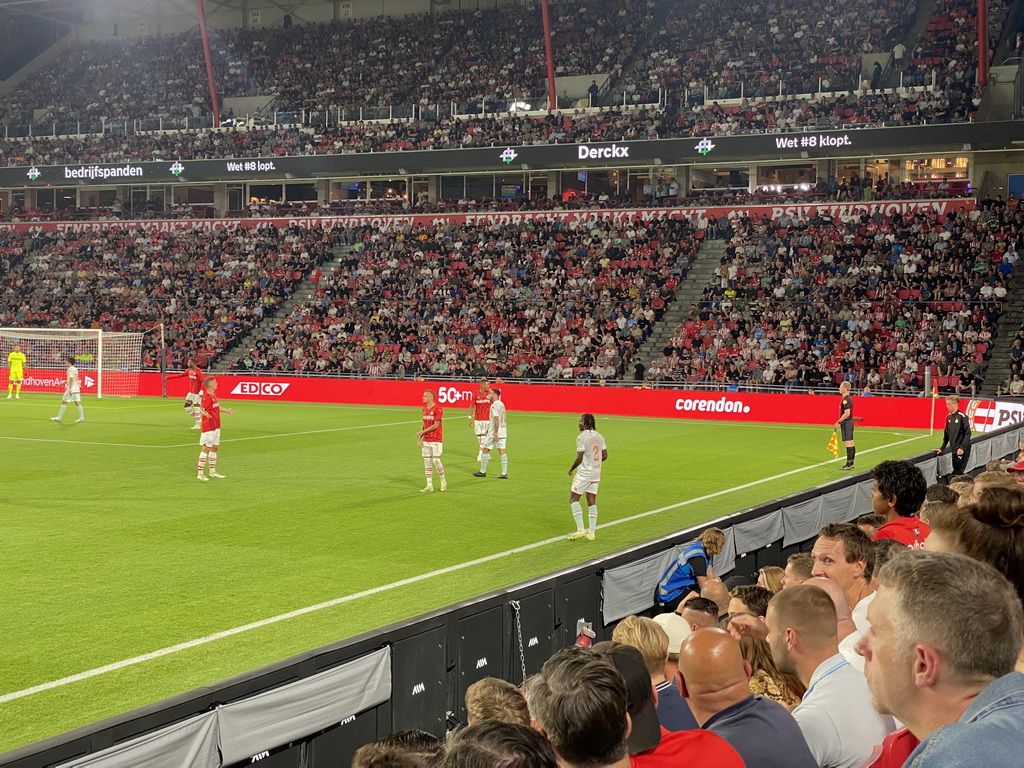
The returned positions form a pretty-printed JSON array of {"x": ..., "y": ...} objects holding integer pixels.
[{"x": 108, "y": 363}]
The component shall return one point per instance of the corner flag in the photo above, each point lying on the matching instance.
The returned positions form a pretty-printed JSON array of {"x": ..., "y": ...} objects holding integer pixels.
[{"x": 833, "y": 445}]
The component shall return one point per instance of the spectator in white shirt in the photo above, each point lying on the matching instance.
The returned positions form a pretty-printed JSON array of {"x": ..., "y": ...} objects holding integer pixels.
[
  {"x": 846, "y": 555},
  {"x": 836, "y": 716}
]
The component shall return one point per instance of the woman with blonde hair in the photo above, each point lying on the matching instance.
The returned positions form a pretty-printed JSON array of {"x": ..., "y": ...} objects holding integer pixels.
[
  {"x": 691, "y": 570},
  {"x": 770, "y": 577},
  {"x": 765, "y": 678}
]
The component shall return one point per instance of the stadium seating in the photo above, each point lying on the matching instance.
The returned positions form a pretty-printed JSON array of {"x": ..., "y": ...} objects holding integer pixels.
[
  {"x": 948, "y": 50},
  {"x": 493, "y": 58},
  {"x": 208, "y": 288},
  {"x": 768, "y": 49},
  {"x": 572, "y": 301},
  {"x": 864, "y": 299},
  {"x": 608, "y": 124}
]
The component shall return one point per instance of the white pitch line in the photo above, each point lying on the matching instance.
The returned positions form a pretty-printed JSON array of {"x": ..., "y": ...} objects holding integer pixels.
[
  {"x": 393, "y": 585},
  {"x": 318, "y": 431},
  {"x": 757, "y": 424},
  {"x": 231, "y": 440}
]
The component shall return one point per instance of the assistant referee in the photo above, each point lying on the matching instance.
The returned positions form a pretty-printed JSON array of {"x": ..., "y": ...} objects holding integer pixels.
[
  {"x": 956, "y": 436},
  {"x": 845, "y": 424}
]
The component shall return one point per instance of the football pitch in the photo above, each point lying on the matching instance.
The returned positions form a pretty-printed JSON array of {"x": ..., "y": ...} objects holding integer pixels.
[{"x": 124, "y": 580}]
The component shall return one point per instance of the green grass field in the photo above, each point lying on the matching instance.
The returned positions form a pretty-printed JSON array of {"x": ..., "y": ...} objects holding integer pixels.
[{"x": 112, "y": 549}]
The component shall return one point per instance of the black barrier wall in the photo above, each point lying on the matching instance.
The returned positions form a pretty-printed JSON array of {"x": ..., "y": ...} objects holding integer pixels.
[{"x": 507, "y": 633}]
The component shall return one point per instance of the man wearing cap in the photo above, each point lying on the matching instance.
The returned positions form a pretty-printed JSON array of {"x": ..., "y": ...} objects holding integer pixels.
[
  {"x": 1017, "y": 470},
  {"x": 654, "y": 643},
  {"x": 677, "y": 629},
  {"x": 716, "y": 681},
  {"x": 650, "y": 745},
  {"x": 956, "y": 436}
]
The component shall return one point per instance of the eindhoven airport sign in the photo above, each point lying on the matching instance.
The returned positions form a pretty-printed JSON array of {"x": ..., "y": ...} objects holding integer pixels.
[{"x": 957, "y": 137}]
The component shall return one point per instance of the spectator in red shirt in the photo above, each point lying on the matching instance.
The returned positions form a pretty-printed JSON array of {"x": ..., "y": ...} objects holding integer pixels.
[
  {"x": 898, "y": 493},
  {"x": 649, "y": 744},
  {"x": 594, "y": 716}
]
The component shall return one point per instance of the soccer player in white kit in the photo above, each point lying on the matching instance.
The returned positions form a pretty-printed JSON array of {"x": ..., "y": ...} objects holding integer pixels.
[
  {"x": 72, "y": 393},
  {"x": 591, "y": 453},
  {"x": 497, "y": 432}
]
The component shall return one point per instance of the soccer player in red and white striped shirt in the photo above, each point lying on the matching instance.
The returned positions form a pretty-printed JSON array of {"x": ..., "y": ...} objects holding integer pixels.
[
  {"x": 193, "y": 400},
  {"x": 430, "y": 441},
  {"x": 209, "y": 438}
]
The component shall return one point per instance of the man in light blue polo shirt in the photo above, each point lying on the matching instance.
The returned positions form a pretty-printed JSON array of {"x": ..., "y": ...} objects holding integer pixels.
[
  {"x": 836, "y": 716},
  {"x": 945, "y": 636}
]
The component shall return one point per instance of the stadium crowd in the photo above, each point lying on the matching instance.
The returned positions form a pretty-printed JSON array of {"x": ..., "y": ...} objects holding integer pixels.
[
  {"x": 896, "y": 641},
  {"x": 856, "y": 110},
  {"x": 872, "y": 300},
  {"x": 207, "y": 288},
  {"x": 562, "y": 301},
  {"x": 948, "y": 50},
  {"x": 466, "y": 59},
  {"x": 764, "y": 45}
]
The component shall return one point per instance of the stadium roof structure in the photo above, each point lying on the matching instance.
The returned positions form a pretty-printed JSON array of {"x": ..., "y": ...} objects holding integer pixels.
[{"x": 79, "y": 11}]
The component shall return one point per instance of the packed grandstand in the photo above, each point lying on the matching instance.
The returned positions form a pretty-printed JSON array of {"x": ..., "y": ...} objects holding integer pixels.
[{"x": 887, "y": 267}]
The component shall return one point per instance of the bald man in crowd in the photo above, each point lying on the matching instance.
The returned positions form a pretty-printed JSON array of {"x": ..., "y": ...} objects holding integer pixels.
[
  {"x": 836, "y": 716},
  {"x": 716, "y": 591},
  {"x": 716, "y": 681}
]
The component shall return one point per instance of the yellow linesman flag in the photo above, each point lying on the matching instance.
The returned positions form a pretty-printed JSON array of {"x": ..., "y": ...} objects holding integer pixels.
[{"x": 833, "y": 445}]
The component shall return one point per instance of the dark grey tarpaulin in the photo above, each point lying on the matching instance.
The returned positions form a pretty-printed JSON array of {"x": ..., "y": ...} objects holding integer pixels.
[
  {"x": 191, "y": 743},
  {"x": 630, "y": 588},
  {"x": 294, "y": 711},
  {"x": 802, "y": 521},
  {"x": 759, "y": 532}
]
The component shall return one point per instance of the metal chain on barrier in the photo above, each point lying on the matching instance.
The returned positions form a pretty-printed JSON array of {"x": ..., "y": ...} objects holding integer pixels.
[{"x": 519, "y": 637}]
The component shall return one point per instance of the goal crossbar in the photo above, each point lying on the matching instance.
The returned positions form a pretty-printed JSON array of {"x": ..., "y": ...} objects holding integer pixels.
[{"x": 109, "y": 361}]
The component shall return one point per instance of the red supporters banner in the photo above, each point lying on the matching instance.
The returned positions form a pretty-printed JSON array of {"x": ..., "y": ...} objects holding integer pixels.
[
  {"x": 624, "y": 216},
  {"x": 889, "y": 412}
]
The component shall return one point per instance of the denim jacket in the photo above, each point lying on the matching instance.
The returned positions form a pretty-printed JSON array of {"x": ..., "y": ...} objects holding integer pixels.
[{"x": 990, "y": 733}]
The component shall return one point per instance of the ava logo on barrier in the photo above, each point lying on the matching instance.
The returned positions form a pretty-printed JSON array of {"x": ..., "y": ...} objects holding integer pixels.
[
  {"x": 720, "y": 405},
  {"x": 257, "y": 388},
  {"x": 453, "y": 395},
  {"x": 990, "y": 415},
  {"x": 89, "y": 381},
  {"x": 508, "y": 155},
  {"x": 704, "y": 146},
  {"x": 593, "y": 153}
]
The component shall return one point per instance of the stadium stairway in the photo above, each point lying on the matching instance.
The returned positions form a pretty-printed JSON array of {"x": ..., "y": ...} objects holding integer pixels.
[
  {"x": 702, "y": 271},
  {"x": 923, "y": 17},
  {"x": 999, "y": 358},
  {"x": 302, "y": 294},
  {"x": 612, "y": 95}
]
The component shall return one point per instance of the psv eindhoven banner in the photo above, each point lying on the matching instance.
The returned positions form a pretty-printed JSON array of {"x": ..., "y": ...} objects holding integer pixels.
[
  {"x": 990, "y": 415},
  {"x": 623, "y": 216}
]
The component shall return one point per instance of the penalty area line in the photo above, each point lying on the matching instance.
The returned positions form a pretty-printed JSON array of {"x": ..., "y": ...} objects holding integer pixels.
[{"x": 113, "y": 667}]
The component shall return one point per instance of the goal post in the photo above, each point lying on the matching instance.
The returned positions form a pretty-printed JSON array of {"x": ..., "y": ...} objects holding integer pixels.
[{"x": 109, "y": 363}]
